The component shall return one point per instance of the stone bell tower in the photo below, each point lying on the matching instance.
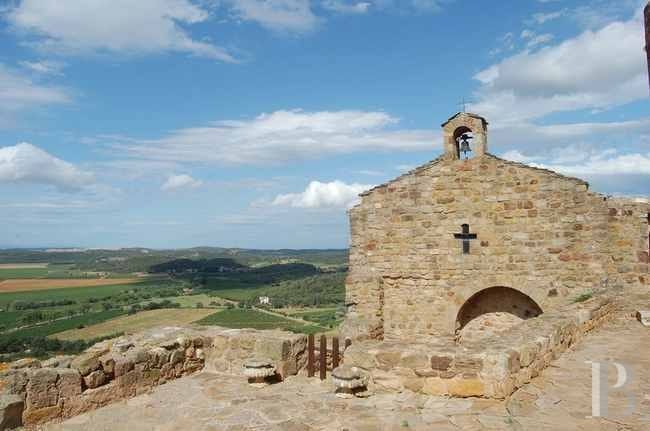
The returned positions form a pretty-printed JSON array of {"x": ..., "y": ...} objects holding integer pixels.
[{"x": 465, "y": 131}]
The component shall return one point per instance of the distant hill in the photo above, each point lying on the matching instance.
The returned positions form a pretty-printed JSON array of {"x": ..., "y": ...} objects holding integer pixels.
[
  {"x": 201, "y": 265},
  {"x": 127, "y": 260}
]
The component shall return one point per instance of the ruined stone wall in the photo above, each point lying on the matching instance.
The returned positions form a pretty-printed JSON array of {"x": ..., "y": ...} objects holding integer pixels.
[
  {"x": 490, "y": 368},
  {"x": 34, "y": 392},
  {"x": 629, "y": 230},
  {"x": 538, "y": 232}
]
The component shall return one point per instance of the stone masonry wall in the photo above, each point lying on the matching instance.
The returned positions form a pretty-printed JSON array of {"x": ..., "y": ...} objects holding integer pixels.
[
  {"x": 34, "y": 392},
  {"x": 539, "y": 232},
  {"x": 490, "y": 368}
]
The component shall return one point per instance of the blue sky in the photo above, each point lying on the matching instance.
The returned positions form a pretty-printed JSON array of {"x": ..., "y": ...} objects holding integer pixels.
[{"x": 255, "y": 123}]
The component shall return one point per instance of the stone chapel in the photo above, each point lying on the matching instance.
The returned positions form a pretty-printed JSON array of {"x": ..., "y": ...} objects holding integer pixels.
[{"x": 470, "y": 233}]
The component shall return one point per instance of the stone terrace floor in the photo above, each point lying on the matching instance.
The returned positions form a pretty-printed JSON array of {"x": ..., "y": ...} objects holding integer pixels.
[{"x": 560, "y": 399}]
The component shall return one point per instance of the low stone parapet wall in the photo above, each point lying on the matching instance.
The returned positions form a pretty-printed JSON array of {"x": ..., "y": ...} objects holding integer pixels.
[
  {"x": 491, "y": 368},
  {"x": 33, "y": 392}
]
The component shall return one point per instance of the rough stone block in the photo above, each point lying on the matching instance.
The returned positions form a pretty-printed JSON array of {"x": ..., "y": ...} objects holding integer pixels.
[
  {"x": 127, "y": 379},
  {"x": 464, "y": 388},
  {"x": 467, "y": 364},
  {"x": 177, "y": 357},
  {"x": 41, "y": 415},
  {"x": 68, "y": 383},
  {"x": 435, "y": 386},
  {"x": 62, "y": 361},
  {"x": 108, "y": 364},
  {"x": 95, "y": 379},
  {"x": 11, "y": 411},
  {"x": 413, "y": 360},
  {"x": 414, "y": 384},
  {"x": 86, "y": 363},
  {"x": 388, "y": 359},
  {"x": 101, "y": 396},
  {"x": 26, "y": 363},
  {"x": 13, "y": 381},
  {"x": 137, "y": 355},
  {"x": 386, "y": 382},
  {"x": 359, "y": 357},
  {"x": 441, "y": 363},
  {"x": 122, "y": 365},
  {"x": 160, "y": 356},
  {"x": 41, "y": 389},
  {"x": 148, "y": 377}
]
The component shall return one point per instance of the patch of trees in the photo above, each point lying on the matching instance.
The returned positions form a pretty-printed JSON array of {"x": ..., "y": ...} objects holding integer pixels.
[
  {"x": 314, "y": 291},
  {"x": 166, "y": 303},
  {"x": 277, "y": 273},
  {"x": 29, "y": 305},
  {"x": 202, "y": 265}
]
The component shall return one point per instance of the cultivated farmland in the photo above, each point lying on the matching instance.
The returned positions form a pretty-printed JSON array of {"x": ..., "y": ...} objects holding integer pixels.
[
  {"x": 21, "y": 285},
  {"x": 137, "y": 322},
  {"x": 248, "y": 318}
]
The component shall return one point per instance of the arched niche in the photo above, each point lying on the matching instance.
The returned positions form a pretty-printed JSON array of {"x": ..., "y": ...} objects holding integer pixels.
[{"x": 498, "y": 299}]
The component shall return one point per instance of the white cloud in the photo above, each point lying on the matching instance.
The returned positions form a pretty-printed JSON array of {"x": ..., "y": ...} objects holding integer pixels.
[
  {"x": 517, "y": 156},
  {"x": 534, "y": 39},
  {"x": 282, "y": 136},
  {"x": 342, "y": 6},
  {"x": 178, "y": 182},
  {"x": 601, "y": 12},
  {"x": 594, "y": 70},
  {"x": 25, "y": 163},
  {"x": 542, "y": 140},
  {"x": 412, "y": 5},
  {"x": 605, "y": 163},
  {"x": 125, "y": 26},
  {"x": 335, "y": 194},
  {"x": 18, "y": 93},
  {"x": 278, "y": 15},
  {"x": 541, "y": 18},
  {"x": 45, "y": 67}
]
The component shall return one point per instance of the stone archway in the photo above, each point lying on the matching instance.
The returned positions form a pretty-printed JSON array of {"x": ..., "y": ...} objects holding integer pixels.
[{"x": 509, "y": 304}]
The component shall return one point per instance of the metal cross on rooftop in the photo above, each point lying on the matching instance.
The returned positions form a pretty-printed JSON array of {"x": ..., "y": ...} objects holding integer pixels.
[{"x": 463, "y": 104}]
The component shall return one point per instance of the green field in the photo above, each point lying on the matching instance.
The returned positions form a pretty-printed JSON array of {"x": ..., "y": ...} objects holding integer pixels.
[
  {"x": 51, "y": 271},
  {"x": 135, "y": 322},
  {"x": 324, "y": 317},
  {"x": 30, "y": 307},
  {"x": 64, "y": 324},
  {"x": 287, "y": 276},
  {"x": 8, "y": 319},
  {"x": 246, "y": 318},
  {"x": 18, "y": 273},
  {"x": 75, "y": 293}
]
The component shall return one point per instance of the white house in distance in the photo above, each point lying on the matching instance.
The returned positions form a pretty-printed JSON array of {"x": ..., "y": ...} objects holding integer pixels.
[{"x": 264, "y": 300}]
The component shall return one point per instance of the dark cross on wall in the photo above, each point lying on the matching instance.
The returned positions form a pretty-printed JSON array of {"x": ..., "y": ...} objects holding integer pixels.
[{"x": 465, "y": 237}]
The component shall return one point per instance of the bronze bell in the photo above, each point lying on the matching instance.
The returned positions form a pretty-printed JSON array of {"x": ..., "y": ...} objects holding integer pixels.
[{"x": 464, "y": 143}]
